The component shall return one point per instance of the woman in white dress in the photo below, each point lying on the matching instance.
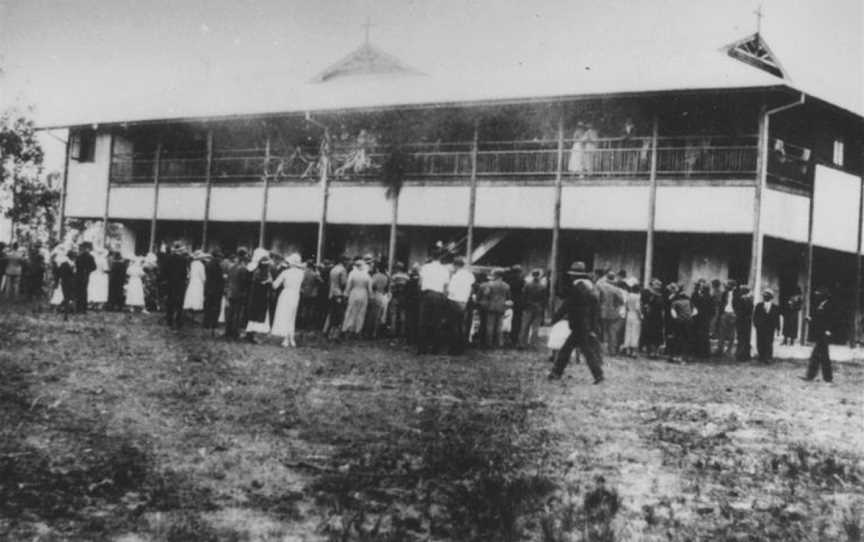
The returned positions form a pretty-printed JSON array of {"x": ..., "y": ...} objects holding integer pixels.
[
  {"x": 135, "y": 285},
  {"x": 97, "y": 284},
  {"x": 194, "y": 299},
  {"x": 285, "y": 318},
  {"x": 359, "y": 289}
]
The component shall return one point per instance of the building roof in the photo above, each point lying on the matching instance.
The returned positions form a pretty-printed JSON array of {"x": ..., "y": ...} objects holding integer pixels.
[{"x": 370, "y": 78}]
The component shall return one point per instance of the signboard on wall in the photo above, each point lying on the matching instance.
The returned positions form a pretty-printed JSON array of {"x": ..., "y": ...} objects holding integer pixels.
[{"x": 836, "y": 199}]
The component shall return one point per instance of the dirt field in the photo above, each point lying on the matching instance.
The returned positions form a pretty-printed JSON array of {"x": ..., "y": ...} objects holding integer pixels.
[{"x": 114, "y": 428}]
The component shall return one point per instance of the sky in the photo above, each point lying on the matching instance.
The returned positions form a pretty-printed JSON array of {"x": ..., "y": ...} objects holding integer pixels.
[{"x": 61, "y": 54}]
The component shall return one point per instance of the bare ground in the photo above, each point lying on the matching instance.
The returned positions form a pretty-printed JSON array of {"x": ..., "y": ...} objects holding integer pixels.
[{"x": 114, "y": 428}]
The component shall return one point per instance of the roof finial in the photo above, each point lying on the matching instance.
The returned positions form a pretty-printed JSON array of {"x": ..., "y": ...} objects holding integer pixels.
[
  {"x": 367, "y": 25},
  {"x": 759, "y": 14}
]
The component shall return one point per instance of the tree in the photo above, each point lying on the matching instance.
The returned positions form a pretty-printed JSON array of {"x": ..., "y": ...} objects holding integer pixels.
[{"x": 25, "y": 198}]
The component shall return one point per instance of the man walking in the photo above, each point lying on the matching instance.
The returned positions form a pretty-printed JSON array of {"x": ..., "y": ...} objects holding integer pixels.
[
  {"x": 582, "y": 309},
  {"x": 822, "y": 319}
]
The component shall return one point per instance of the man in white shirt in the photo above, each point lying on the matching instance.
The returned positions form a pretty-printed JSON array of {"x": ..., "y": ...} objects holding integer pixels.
[
  {"x": 434, "y": 277},
  {"x": 459, "y": 291}
]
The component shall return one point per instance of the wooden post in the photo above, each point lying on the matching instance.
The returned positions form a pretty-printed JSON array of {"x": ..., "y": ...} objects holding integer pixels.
[
  {"x": 62, "y": 230},
  {"x": 472, "y": 196},
  {"x": 556, "y": 217},
  {"x": 808, "y": 286},
  {"x": 758, "y": 234},
  {"x": 105, "y": 215},
  {"x": 853, "y": 337},
  {"x": 391, "y": 255},
  {"x": 324, "y": 166},
  {"x": 156, "y": 164},
  {"x": 652, "y": 204},
  {"x": 208, "y": 179},
  {"x": 266, "y": 196}
]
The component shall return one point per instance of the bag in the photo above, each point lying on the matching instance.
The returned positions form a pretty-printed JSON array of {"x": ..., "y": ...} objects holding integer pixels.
[
  {"x": 558, "y": 334},
  {"x": 57, "y": 296}
]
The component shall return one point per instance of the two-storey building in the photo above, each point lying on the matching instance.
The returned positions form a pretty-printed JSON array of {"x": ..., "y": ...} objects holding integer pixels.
[{"x": 713, "y": 166}]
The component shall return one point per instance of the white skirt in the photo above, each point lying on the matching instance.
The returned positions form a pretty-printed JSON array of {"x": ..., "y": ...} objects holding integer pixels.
[
  {"x": 97, "y": 287},
  {"x": 259, "y": 327}
]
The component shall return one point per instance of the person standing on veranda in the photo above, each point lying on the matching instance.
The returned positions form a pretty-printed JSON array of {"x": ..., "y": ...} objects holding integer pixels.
[{"x": 290, "y": 280}]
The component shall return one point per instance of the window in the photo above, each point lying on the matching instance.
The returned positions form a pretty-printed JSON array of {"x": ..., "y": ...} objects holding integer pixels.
[
  {"x": 838, "y": 152},
  {"x": 84, "y": 145}
]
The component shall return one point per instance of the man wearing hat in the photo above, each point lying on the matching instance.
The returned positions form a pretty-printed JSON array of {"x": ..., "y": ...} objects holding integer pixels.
[
  {"x": 582, "y": 309},
  {"x": 822, "y": 320},
  {"x": 175, "y": 269},
  {"x": 766, "y": 320}
]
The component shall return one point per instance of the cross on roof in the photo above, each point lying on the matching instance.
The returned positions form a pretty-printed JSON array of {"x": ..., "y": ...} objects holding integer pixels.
[
  {"x": 759, "y": 14},
  {"x": 366, "y": 26}
]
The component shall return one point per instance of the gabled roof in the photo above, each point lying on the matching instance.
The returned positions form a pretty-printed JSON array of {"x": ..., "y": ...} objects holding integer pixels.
[
  {"x": 365, "y": 60},
  {"x": 754, "y": 50}
]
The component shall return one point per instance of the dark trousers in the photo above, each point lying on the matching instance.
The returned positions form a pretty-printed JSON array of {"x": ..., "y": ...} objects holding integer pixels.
[
  {"x": 212, "y": 306},
  {"x": 174, "y": 307},
  {"x": 492, "y": 329},
  {"x": 742, "y": 336},
  {"x": 589, "y": 344},
  {"x": 335, "y": 315},
  {"x": 765, "y": 344},
  {"x": 532, "y": 317},
  {"x": 820, "y": 359},
  {"x": 235, "y": 317},
  {"x": 456, "y": 327},
  {"x": 432, "y": 310},
  {"x": 81, "y": 296},
  {"x": 611, "y": 330}
]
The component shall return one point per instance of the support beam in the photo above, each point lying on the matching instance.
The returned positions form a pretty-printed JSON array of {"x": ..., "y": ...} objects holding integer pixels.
[
  {"x": 556, "y": 217},
  {"x": 853, "y": 336},
  {"x": 391, "y": 249},
  {"x": 472, "y": 195},
  {"x": 63, "y": 188},
  {"x": 324, "y": 167},
  {"x": 106, "y": 213},
  {"x": 208, "y": 179},
  {"x": 808, "y": 284},
  {"x": 156, "y": 165},
  {"x": 262, "y": 230},
  {"x": 652, "y": 204},
  {"x": 758, "y": 244}
]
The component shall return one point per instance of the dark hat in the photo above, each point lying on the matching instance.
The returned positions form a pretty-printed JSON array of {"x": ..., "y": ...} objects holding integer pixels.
[{"x": 577, "y": 268}]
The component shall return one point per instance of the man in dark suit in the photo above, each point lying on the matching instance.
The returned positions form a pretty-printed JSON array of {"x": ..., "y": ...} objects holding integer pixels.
[
  {"x": 175, "y": 269},
  {"x": 84, "y": 265},
  {"x": 766, "y": 320},
  {"x": 742, "y": 302},
  {"x": 237, "y": 295},
  {"x": 582, "y": 309},
  {"x": 822, "y": 318}
]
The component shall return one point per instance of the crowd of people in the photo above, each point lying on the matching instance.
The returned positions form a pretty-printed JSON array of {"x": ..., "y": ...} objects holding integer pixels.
[{"x": 441, "y": 305}]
